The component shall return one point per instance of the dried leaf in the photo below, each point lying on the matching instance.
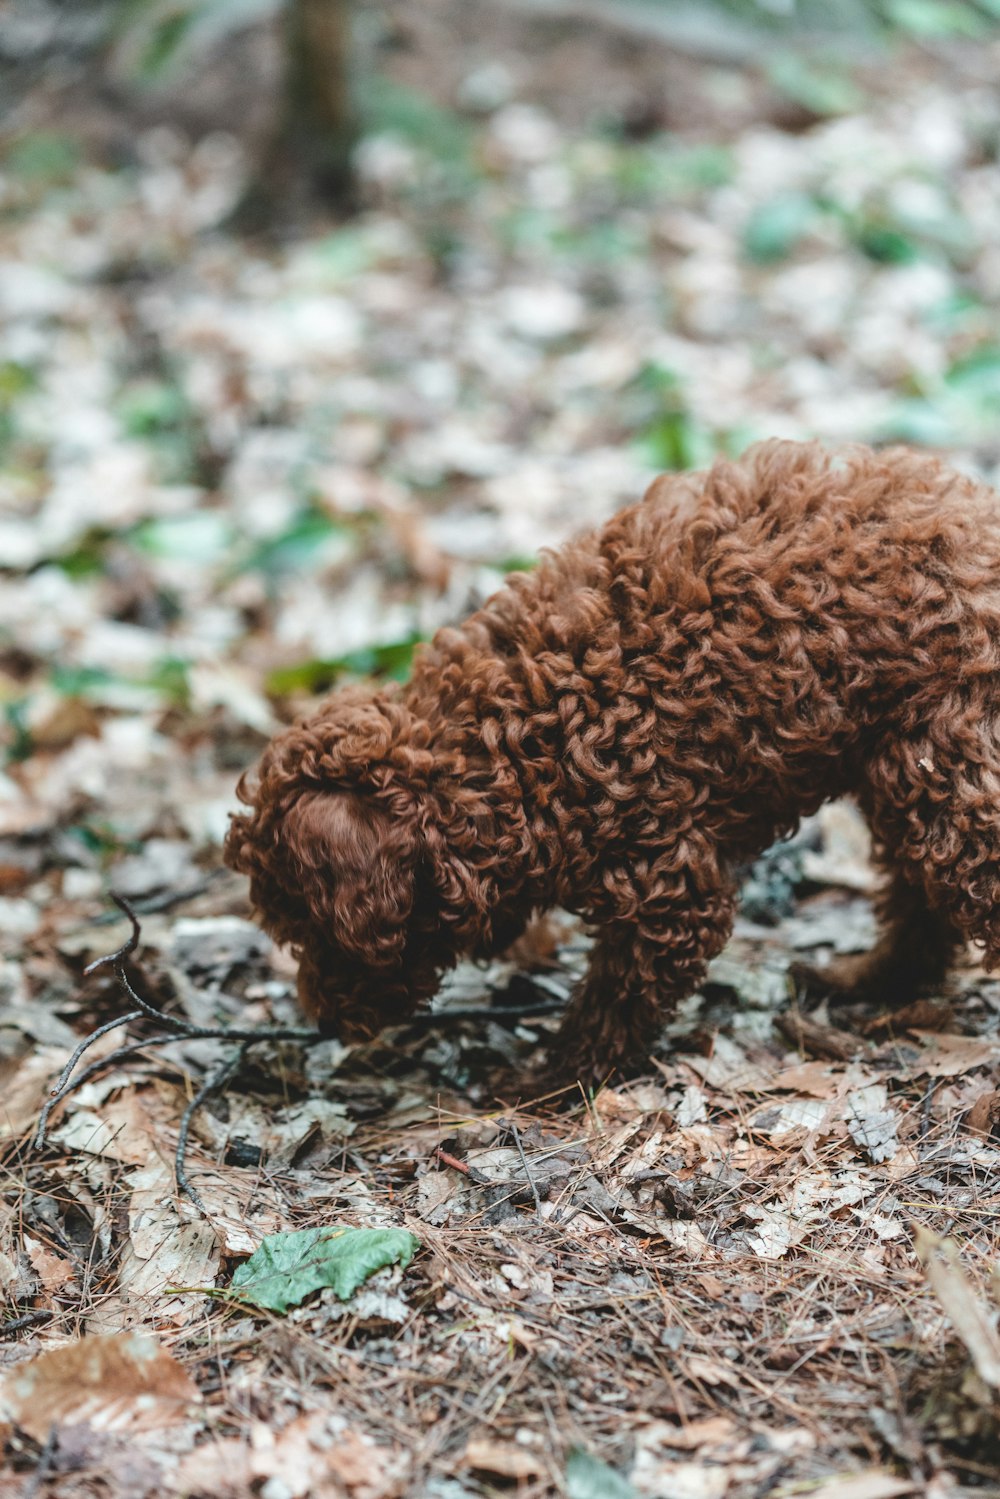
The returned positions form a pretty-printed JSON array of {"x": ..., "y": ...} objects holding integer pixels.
[
  {"x": 165, "y": 1248},
  {"x": 875, "y": 1484},
  {"x": 52, "y": 1270},
  {"x": 506, "y": 1459},
  {"x": 947, "y": 1056},
  {"x": 974, "y": 1322},
  {"x": 117, "y": 1383},
  {"x": 870, "y": 1124},
  {"x": 984, "y": 1116}
]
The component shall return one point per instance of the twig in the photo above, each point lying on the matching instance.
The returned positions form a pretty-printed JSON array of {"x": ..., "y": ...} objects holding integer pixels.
[
  {"x": 186, "y": 1027},
  {"x": 212, "y": 1084},
  {"x": 428, "y": 1019},
  {"x": 515, "y": 1133},
  {"x": 153, "y": 904},
  {"x": 18, "y": 1324},
  {"x": 61, "y": 1086},
  {"x": 66, "y": 1083},
  {"x": 179, "y": 1029},
  {"x": 453, "y": 1162}
]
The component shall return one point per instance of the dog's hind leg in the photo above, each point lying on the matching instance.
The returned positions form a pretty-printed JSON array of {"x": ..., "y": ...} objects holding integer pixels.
[
  {"x": 914, "y": 950},
  {"x": 934, "y": 809}
]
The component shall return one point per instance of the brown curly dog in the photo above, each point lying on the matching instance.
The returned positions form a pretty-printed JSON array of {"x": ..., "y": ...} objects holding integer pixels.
[{"x": 618, "y": 731}]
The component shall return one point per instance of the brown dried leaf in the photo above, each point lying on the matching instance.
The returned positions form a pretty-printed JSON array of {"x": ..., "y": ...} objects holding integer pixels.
[
  {"x": 316, "y": 1456},
  {"x": 26, "y": 1091},
  {"x": 711, "y": 1431},
  {"x": 984, "y": 1116},
  {"x": 165, "y": 1248},
  {"x": 947, "y": 1055},
  {"x": 52, "y": 1270},
  {"x": 117, "y": 1383},
  {"x": 503, "y": 1458},
  {"x": 974, "y": 1322},
  {"x": 871, "y": 1124}
]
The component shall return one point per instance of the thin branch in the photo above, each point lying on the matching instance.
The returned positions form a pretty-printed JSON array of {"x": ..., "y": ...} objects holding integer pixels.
[
  {"x": 185, "y": 1030},
  {"x": 428, "y": 1019},
  {"x": 127, "y": 948},
  {"x": 62, "y": 1084},
  {"x": 212, "y": 1084},
  {"x": 515, "y": 1133}
]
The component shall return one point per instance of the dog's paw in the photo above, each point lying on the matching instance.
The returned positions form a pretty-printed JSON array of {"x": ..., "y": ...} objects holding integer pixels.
[{"x": 856, "y": 979}]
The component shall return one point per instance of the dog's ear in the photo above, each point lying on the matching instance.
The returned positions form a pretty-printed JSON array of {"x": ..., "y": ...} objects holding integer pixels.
[{"x": 355, "y": 868}]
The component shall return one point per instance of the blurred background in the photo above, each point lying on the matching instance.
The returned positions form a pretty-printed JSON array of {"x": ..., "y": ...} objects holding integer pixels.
[{"x": 317, "y": 317}]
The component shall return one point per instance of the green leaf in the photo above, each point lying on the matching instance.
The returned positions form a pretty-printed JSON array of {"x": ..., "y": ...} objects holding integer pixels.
[
  {"x": 151, "y": 407},
  {"x": 165, "y": 41},
  {"x": 199, "y": 536},
  {"x": 935, "y": 18},
  {"x": 43, "y": 157},
  {"x": 587, "y": 1478},
  {"x": 823, "y": 90},
  {"x": 777, "y": 227},
  {"x": 393, "y": 660},
  {"x": 885, "y": 243},
  {"x": 311, "y": 541},
  {"x": 977, "y": 372},
  {"x": 288, "y": 1267}
]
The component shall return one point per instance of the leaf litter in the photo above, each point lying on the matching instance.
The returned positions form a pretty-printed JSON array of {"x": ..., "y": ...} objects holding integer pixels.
[{"x": 247, "y": 472}]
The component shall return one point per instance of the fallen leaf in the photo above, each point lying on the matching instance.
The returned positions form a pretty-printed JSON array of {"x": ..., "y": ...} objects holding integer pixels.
[
  {"x": 26, "y": 1091},
  {"x": 984, "y": 1116},
  {"x": 974, "y": 1322},
  {"x": 506, "y": 1459},
  {"x": 875, "y": 1484},
  {"x": 947, "y": 1055},
  {"x": 165, "y": 1248},
  {"x": 118, "y": 1383},
  {"x": 52, "y": 1270},
  {"x": 871, "y": 1124},
  {"x": 288, "y": 1267},
  {"x": 711, "y": 1431},
  {"x": 588, "y": 1478},
  {"x": 682, "y": 1480}
]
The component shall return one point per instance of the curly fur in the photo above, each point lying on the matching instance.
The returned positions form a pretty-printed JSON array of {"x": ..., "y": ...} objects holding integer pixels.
[{"x": 618, "y": 731}]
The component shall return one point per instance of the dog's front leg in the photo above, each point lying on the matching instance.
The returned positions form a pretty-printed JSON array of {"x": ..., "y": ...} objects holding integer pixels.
[{"x": 639, "y": 969}]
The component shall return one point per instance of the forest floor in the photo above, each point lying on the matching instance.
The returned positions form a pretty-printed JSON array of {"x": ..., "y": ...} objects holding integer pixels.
[{"x": 237, "y": 472}]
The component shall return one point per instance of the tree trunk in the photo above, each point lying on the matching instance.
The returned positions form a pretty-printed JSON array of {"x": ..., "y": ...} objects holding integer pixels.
[
  {"x": 320, "y": 124},
  {"x": 307, "y": 159}
]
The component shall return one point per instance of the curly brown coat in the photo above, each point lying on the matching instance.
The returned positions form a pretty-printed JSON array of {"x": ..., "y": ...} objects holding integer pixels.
[{"x": 616, "y": 732}]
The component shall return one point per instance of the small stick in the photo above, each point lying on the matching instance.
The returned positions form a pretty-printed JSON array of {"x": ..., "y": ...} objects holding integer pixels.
[
  {"x": 18, "y": 1324},
  {"x": 212, "y": 1084},
  {"x": 179, "y": 1029},
  {"x": 427, "y": 1019},
  {"x": 103, "y": 1064},
  {"x": 127, "y": 948},
  {"x": 512, "y": 1129},
  {"x": 102, "y": 1030},
  {"x": 453, "y": 1162},
  {"x": 185, "y": 1027}
]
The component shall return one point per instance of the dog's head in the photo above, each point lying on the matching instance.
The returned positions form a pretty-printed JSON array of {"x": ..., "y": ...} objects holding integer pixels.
[{"x": 336, "y": 845}]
